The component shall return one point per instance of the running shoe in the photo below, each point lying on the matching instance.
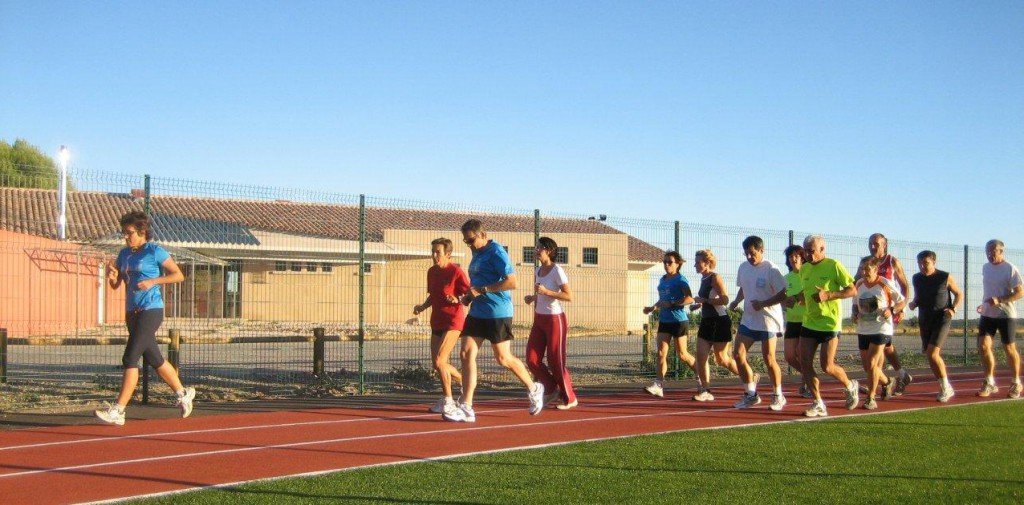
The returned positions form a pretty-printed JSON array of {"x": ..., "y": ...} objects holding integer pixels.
[
  {"x": 453, "y": 412},
  {"x": 778, "y": 401},
  {"x": 110, "y": 414},
  {"x": 536, "y": 398},
  {"x": 567, "y": 406},
  {"x": 1014, "y": 390},
  {"x": 945, "y": 394},
  {"x": 871, "y": 404},
  {"x": 889, "y": 390},
  {"x": 551, "y": 397},
  {"x": 438, "y": 406},
  {"x": 185, "y": 401},
  {"x": 656, "y": 390},
  {"x": 852, "y": 395},
  {"x": 863, "y": 390},
  {"x": 704, "y": 395},
  {"x": 987, "y": 390},
  {"x": 748, "y": 400},
  {"x": 902, "y": 382},
  {"x": 817, "y": 410},
  {"x": 805, "y": 392}
]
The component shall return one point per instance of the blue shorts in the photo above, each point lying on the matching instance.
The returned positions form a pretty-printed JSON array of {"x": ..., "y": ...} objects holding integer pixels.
[{"x": 756, "y": 335}]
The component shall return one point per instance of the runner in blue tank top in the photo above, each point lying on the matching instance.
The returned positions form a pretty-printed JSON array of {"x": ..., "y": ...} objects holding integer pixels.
[
  {"x": 141, "y": 266},
  {"x": 674, "y": 296}
]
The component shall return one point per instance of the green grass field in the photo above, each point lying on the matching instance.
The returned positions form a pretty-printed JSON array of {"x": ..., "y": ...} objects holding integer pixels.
[{"x": 968, "y": 454}]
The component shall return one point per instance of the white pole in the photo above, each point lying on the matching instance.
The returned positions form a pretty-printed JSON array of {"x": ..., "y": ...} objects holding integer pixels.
[{"x": 62, "y": 194}]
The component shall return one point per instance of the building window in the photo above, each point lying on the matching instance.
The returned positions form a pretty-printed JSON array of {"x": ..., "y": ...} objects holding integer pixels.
[
  {"x": 589, "y": 255},
  {"x": 562, "y": 255},
  {"x": 367, "y": 268},
  {"x": 311, "y": 267},
  {"x": 529, "y": 254},
  {"x": 296, "y": 266},
  {"x": 326, "y": 267},
  {"x": 280, "y": 266}
]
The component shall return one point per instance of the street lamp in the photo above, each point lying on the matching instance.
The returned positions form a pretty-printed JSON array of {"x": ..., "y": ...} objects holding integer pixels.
[{"x": 62, "y": 193}]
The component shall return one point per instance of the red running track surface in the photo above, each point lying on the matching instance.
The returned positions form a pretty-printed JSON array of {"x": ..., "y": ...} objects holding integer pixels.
[{"x": 95, "y": 463}]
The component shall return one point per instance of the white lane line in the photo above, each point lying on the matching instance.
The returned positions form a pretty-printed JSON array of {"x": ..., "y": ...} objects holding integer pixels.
[
  {"x": 380, "y": 437},
  {"x": 302, "y": 423},
  {"x": 308, "y": 423},
  {"x": 527, "y": 447}
]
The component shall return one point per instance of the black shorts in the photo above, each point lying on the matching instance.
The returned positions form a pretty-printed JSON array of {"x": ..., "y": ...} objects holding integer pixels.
[
  {"x": 494, "y": 330},
  {"x": 864, "y": 341},
  {"x": 1006, "y": 327},
  {"x": 716, "y": 329},
  {"x": 793, "y": 330},
  {"x": 142, "y": 326},
  {"x": 679, "y": 329},
  {"x": 934, "y": 329},
  {"x": 820, "y": 337}
]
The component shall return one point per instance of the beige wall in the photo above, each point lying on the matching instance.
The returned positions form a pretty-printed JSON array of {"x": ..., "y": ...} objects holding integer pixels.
[{"x": 606, "y": 297}]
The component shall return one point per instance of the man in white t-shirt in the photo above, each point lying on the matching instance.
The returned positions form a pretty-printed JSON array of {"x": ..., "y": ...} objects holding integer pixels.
[
  {"x": 1003, "y": 286},
  {"x": 762, "y": 289}
]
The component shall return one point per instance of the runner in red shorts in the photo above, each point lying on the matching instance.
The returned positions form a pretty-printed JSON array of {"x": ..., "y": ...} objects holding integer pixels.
[{"x": 446, "y": 283}]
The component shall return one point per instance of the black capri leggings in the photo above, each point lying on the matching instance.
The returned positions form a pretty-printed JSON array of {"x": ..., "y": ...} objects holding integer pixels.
[{"x": 142, "y": 326}]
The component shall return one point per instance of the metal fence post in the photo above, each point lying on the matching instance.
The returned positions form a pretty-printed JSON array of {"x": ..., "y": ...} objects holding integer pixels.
[
  {"x": 675, "y": 357},
  {"x": 318, "y": 352},
  {"x": 362, "y": 291},
  {"x": 966, "y": 304},
  {"x": 3, "y": 355},
  {"x": 536, "y": 235},
  {"x": 645, "y": 345},
  {"x": 174, "y": 349}
]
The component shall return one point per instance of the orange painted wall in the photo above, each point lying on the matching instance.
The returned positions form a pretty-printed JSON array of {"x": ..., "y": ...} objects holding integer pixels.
[{"x": 48, "y": 287}]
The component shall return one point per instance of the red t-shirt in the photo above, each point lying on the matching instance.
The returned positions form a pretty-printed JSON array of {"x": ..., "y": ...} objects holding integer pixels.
[{"x": 441, "y": 282}]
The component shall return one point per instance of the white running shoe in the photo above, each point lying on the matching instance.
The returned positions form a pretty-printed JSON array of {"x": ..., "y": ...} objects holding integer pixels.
[
  {"x": 871, "y": 404},
  {"x": 853, "y": 395},
  {"x": 455, "y": 412},
  {"x": 110, "y": 414},
  {"x": 817, "y": 410},
  {"x": 536, "y": 398},
  {"x": 748, "y": 400},
  {"x": 987, "y": 390},
  {"x": 438, "y": 406},
  {"x": 656, "y": 389},
  {"x": 1014, "y": 390},
  {"x": 945, "y": 394},
  {"x": 567, "y": 406},
  {"x": 778, "y": 401},
  {"x": 704, "y": 396},
  {"x": 185, "y": 401}
]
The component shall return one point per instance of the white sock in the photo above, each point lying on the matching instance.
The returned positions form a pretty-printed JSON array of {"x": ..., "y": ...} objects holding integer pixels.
[
  {"x": 119, "y": 408},
  {"x": 751, "y": 387},
  {"x": 945, "y": 383},
  {"x": 990, "y": 380},
  {"x": 778, "y": 390},
  {"x": 852, "y": 385},
  {"x": 1016, "y": 380}
]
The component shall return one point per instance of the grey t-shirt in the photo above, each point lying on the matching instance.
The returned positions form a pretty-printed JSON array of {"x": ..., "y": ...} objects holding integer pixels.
[{"x": 999, "y": 280}]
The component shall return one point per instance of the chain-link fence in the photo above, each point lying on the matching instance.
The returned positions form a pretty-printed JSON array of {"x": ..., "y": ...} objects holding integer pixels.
[{"x": 304, "y": 293}]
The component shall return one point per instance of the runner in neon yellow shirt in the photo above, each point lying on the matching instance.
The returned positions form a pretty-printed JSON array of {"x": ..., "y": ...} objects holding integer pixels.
[{"x": 825, "y": 282}]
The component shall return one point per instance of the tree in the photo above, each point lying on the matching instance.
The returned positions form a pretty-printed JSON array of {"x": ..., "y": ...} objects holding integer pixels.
[{"x": 24, "y": 165}]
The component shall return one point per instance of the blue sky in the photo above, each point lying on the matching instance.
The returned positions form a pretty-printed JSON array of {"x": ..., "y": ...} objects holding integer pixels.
[{"x": 901, "y": 117}]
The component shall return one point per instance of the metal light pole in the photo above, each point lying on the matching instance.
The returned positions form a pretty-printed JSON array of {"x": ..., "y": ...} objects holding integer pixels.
[{"x": 62, "y": 194}]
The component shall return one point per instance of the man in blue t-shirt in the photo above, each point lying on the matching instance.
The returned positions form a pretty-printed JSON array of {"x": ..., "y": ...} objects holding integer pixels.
[{"x": 491, "y": 277}]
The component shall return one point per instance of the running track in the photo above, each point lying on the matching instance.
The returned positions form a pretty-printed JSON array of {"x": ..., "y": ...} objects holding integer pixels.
[{"x": 97, "y": 463}]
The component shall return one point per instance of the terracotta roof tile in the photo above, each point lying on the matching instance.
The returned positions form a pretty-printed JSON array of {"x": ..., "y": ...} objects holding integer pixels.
[{"x": 93, "y": 215}]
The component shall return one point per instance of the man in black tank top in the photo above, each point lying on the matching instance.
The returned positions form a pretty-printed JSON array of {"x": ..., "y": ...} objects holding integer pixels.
[{"x": 935, "y": 311}]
